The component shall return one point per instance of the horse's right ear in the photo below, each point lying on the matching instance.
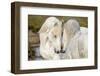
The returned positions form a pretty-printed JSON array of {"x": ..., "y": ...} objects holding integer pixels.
[{"x": 43, "y": 29}]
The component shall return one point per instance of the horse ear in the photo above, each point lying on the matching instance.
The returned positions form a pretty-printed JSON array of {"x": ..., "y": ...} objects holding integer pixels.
[
  {"x": 44, "y": 28},
  {"x": 72, "y": 26}
]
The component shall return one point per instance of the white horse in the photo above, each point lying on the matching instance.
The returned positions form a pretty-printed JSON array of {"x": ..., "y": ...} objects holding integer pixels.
[
  {"x": 50, "y": 37},
  {"x": 75, "y": 40}
]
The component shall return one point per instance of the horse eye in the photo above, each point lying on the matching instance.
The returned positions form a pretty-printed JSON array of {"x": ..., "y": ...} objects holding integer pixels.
[
  {"x": 55, "y": 36},
  {"x": 55, "y": 24},
  {"x": 47, "y": 39}
]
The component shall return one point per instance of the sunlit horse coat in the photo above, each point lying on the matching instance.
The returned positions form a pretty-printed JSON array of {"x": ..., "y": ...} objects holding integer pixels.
[{"x": 50, "y": 34}]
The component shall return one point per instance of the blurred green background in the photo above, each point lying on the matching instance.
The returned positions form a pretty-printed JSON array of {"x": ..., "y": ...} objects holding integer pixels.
[{"x": 35, "y": 21}]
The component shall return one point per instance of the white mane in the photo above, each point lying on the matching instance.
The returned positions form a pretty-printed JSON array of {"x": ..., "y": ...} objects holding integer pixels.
[{"x": 75, "y": 40}]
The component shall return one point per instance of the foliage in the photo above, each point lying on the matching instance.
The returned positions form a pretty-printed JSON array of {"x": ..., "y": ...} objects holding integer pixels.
[{"x": 35, "y": 21}]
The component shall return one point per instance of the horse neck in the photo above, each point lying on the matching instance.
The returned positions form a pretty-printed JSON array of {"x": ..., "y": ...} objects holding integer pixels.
[
  {"x": 68, "y": 35},
  {"x": 42, "y": 38}
]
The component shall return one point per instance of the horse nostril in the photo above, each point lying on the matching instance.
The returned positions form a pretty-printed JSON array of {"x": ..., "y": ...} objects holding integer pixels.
[
  {"x": 62, "y": 51},
  {"x": 57, "y": 52}
]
